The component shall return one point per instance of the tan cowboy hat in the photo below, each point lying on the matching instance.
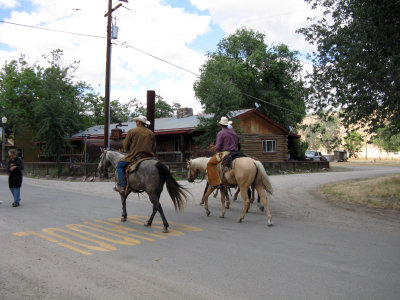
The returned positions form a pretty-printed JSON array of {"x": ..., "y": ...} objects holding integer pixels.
[
  {"x": 224, "y": 121},
  {"x": 142, "y": 119}
]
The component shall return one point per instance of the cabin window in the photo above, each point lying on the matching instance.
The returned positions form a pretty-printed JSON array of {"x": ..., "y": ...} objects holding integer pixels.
[
  {"x": 269, "y": 145},
  {"x": 177, "y": 146}
]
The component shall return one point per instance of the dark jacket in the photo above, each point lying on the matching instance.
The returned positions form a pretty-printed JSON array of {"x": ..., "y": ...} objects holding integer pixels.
[{"x": 15, "y": 176}]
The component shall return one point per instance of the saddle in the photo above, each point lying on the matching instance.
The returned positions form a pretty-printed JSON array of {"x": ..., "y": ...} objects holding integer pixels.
[
  {"x": 227, "y": 161},
  {"x": 226, "y": 165},
  {"x": 132, "y": 167}
]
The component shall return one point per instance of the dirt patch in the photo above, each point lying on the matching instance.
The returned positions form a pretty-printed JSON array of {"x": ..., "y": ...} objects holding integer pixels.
[{"x": 380, "y": 192}]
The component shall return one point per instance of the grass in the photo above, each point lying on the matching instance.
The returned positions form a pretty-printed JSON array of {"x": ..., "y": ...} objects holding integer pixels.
[{"x": 379, "y": 192}]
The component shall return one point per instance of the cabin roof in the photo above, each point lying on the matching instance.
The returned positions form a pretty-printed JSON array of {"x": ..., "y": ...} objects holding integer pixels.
[{"x": 168, "y": 125}]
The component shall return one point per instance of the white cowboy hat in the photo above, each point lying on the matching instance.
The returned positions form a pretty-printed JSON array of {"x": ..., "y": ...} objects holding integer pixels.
[
  {"x": 142, "y": 119},
  {"x": 224, "y": 121}
]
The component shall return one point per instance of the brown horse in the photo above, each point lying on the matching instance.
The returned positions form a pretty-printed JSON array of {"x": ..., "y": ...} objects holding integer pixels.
[{"x": 245, "y": 173}]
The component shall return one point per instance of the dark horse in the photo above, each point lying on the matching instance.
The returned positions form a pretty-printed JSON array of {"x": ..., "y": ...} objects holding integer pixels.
[{"x": 149, "y": 177}]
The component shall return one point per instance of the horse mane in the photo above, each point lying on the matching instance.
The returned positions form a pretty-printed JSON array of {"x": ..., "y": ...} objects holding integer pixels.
[{"x": 200, "y": 163}]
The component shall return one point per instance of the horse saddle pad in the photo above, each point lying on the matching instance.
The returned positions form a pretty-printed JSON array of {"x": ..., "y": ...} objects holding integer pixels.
[{"x": 134, "y": 165}]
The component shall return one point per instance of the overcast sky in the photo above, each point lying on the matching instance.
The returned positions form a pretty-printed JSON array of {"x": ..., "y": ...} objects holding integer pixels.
[{"x": 180, "y": 32}]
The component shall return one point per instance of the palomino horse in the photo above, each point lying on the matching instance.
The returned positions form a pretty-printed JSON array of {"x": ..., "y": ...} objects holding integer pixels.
[
  {"x": 245, "y": 173},
  {"x": 201, "y": 167},
  {"x": 149, "y": 177}
]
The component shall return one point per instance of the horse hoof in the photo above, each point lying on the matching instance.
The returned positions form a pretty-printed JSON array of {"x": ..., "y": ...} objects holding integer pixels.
[
  {"x": 270, "y": 224},
  {"x": 123, "y": 219},
  {"x": 201, "y": 203},
  {"x": 261, "y": 208},
  {"x": 239, "y": 220},
  {"x": 222, "y": 216},
  {"x": 165, "y": 230},
  {"x": 227, "y": 207},
  {"x": 208, "y": 213},
  {"x": 146, "y": 225}
]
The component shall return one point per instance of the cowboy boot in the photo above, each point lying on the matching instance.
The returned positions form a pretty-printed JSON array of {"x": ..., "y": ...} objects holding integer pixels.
[{"x": 119, "y": 189}]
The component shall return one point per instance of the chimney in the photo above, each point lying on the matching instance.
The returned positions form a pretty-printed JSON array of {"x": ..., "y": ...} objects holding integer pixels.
[{"x": 184, "y": 112}]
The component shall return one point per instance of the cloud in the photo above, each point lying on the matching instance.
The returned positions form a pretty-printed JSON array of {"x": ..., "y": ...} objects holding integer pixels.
[
  {"x": 150, "y": 25},
  {"x": 5, "y": 4},
  {"x": 154, "y": 27},
  {"x": 278, "y": 20}
]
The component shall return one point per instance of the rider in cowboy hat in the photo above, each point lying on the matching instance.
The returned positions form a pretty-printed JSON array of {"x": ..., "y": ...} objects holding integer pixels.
[
  {"x": 139, "y": 143},
  {"x": 227, "y": 141}
]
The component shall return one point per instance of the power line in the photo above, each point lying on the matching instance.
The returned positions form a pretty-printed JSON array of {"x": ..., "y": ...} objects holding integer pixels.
[
  {"x": 193, "y": 73},
  {"x": 146, "y": 53},
  {"x": 163, "y": 60},
  {"x": 55, "y": 30}
]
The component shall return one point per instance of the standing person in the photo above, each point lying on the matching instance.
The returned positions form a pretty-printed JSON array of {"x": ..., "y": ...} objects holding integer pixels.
[
  {"x": 14, "y": 169},
  {"x": 227, "y": 141},
  {"x": 139, "y": 143}
]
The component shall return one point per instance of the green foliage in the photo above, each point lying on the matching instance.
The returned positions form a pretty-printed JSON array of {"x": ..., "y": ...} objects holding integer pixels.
[
  {"x": 353, "y": 143},
  {"x": 299, "y": 149},
  {"x": 162, "y": 108},
  {"x": 45, "y": 99},
  {"x": 244, "y": 68},
  {"x": 57, "y": 111},
  {"x": 18, "y": 91},
  {"x": 386, "y": 140},
  {"x": 356, "y": 67},
  {"x": 324, "y": 133}
]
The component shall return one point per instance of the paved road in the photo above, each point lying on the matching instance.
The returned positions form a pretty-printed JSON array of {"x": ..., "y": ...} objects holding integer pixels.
[{"x": 66, "y": 242}]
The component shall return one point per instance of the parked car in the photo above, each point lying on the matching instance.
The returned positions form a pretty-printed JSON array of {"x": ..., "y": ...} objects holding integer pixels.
[{"x": 313, "y": 155}]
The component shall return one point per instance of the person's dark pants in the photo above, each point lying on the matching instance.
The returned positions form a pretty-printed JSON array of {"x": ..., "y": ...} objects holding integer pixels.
[{"x": 121, "y": 172}]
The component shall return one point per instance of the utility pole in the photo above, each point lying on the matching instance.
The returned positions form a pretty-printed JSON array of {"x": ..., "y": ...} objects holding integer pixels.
[{"x": 108, "y": 73}]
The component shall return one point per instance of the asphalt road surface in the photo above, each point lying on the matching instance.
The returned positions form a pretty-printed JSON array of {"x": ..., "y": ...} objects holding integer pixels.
[{"x": 66, "y": 241}]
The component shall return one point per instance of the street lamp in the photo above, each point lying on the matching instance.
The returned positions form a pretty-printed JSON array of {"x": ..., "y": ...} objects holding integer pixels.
[{"x": 3, "y": 146}]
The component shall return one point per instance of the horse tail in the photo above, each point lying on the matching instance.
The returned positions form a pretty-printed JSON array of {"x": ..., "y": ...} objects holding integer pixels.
[
  {"x": 264, "y": 176},
  {"x": 176, "y": 191}
]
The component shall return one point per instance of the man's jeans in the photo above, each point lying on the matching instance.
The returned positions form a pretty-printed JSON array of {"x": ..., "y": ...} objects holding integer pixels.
[
  {"x": 16, "y": 193},
  {"x": 121, "y": 174}
]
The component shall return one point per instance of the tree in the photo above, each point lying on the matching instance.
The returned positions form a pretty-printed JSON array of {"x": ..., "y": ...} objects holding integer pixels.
[
  {"x": 356, "y": 67},
  {"x": 58, "y": 110},
  {"x": 246, "y": 73},
  {"x": 162, "y": 108},
  {"x": 324, "y": 133},
  {"x": 353, "y": 143},
  {"x": 18, "y": 91},
  {"x": 387, "y": 141},
  {"x": 45, "y": 100}
]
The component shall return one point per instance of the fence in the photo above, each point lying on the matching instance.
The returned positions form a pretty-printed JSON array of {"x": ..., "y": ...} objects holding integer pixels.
[
  {"x": 61, "y": 169},
  {"x": 90, "y": 169}
]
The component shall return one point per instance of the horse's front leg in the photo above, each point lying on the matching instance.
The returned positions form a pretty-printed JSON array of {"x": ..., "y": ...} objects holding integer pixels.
[
  {"x": 205, "y": 191},
  {"x": 224, "y": 194},
  {"x": 205, "y": 199},
  {"x": 124, "y": 215}
]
